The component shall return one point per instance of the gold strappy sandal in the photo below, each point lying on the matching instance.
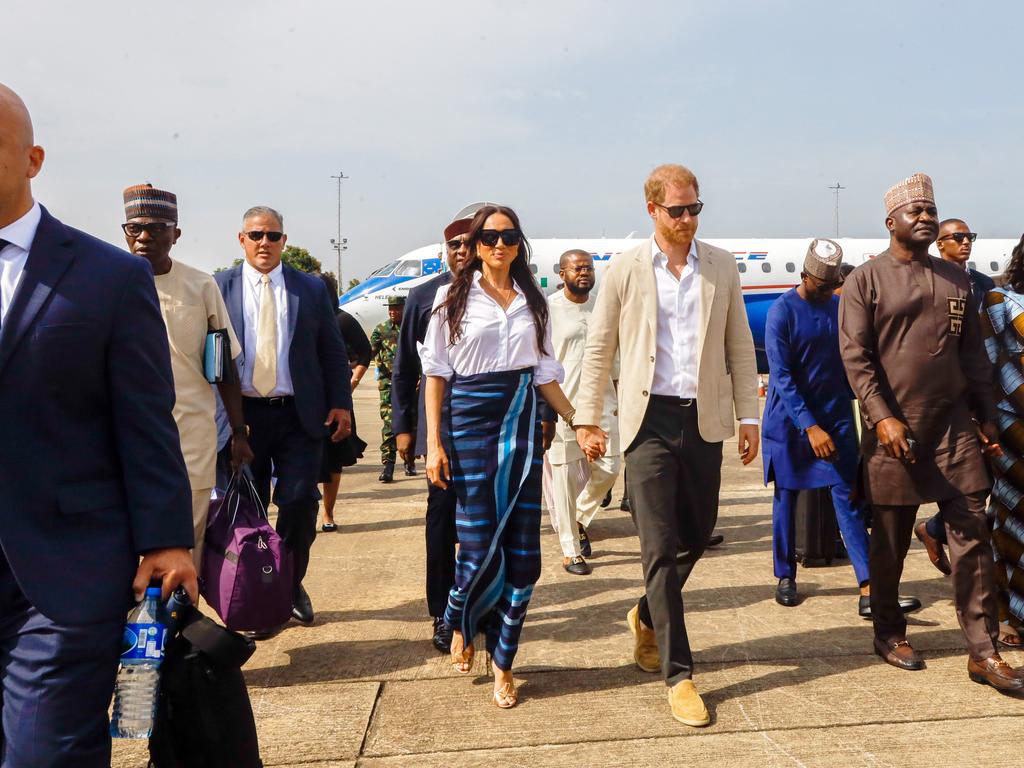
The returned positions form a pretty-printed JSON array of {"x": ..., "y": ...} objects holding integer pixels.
[
  {"x": 462, "y": 659},
  {"x": 507, "y": 696}
]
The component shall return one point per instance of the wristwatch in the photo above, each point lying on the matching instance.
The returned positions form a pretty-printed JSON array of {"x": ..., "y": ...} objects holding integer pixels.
[{"x": 241, "y": 429}]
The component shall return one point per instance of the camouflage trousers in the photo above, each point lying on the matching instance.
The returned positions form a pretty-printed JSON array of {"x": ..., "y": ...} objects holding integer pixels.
[{"x": 388, "y": 451}]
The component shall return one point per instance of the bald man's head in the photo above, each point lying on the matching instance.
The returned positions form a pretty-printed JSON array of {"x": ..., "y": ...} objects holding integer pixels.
[{"x": 20, "y": 159}]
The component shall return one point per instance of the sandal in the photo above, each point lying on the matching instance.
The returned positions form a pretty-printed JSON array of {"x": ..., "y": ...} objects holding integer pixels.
[
  {"x": 507, "y": 696},
  {"x": 329, "y": 527},
  {"x": 1010, "y": 640},
  {"x": 462, "y": 659}
]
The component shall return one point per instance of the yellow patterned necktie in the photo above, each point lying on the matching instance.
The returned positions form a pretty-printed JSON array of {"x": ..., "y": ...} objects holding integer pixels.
[{"x": 264, "y": 371}]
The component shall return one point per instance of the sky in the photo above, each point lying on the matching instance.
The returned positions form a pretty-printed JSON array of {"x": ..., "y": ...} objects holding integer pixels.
[{"x": 558, "y": 108}]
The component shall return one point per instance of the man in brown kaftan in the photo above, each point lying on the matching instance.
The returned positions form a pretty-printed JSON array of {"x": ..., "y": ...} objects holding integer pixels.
[{"x": 911, "y": 342}]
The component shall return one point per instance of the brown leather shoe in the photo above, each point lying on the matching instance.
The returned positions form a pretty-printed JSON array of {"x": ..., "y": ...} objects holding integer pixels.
[
  {"x": 934, "y": 548},
  {"x": 897, "y": 651},
  {"x": 996, "y": 673},
  {"x": 645, "y": 644}
]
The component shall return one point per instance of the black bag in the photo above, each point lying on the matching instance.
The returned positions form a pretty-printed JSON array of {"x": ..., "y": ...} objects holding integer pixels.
[
  {"x": 815, "y": 525},
  {"x": 204, "y": 718}
]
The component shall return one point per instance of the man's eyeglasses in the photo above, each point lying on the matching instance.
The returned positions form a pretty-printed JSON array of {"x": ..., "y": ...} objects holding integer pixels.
[
  {"x": 579, "y": 270},
  {"x": 960, "y": 237},
  {"x": 509, "y": 237},
  {"x": 154, "y": 228},
  {"x": 456, "y": 243},
  {"x": 257, "y": 236},
  {"x": 675, "y": 211}
]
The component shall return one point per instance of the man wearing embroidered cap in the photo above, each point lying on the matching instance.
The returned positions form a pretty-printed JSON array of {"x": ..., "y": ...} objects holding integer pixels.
[
  {"x": 191, "y": 306},
  {"x": 409, "y": 424},
  {"x": 911, "y": 340}
]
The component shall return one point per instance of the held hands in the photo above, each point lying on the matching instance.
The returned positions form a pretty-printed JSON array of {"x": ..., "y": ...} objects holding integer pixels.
[
  {"x": 892, "y": 434},
  {"x": 438, "y": 469},
  {"x": 821, "y": 443},
  {"x": 593, "y": 441},
  {"x": 343, "y": 418},
  {"x": 173, "y": 566},
  {"x": 988, "y": 436},
  {"x": 748, "y": 441}
]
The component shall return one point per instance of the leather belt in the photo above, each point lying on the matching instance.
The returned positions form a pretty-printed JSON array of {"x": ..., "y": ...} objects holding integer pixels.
[
  {"x": 272, "y": 402},
  {"x": 682, "y": 402}
]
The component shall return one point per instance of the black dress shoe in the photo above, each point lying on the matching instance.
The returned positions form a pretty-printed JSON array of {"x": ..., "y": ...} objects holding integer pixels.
[
  {"x": 715, "y": 540},
  {"x": 907, "y": 605},
  {"x": 442, "y": 638},
  {"x": 578, "y": 567},
  {"x": 607, "y": 499},
  {"x": 410, "y": 470},
  {"x": 260, "y": 634},
  {"x": 302, "y": 606},
  {"x": 624, "y": 504},
  {"x": 387, "y": 475},
  {"x": 785, "y": 593},
  {"x": 585, "y": 548}
]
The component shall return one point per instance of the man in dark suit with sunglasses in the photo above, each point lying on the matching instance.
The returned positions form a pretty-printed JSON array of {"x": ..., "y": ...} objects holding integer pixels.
[
  {"x": 91, "y": 473},
  {"x": 295, "y": 381},
  {"x": 954, "y": 243}
]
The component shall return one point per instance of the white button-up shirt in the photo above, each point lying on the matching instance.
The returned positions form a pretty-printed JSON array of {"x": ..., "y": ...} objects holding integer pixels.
[
  {"x": 19, "y": 234},
  {"x": 492, "y": 339},
  {"x": 675, "y": 361},
  {"x": 251, "y": 311}
]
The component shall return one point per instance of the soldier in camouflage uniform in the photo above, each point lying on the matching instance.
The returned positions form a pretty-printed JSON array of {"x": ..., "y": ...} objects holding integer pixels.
[{"x": 384, "y": 345}]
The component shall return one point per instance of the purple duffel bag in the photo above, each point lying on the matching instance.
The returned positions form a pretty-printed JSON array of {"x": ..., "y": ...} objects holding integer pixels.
[{"x": 247, "y": 572}]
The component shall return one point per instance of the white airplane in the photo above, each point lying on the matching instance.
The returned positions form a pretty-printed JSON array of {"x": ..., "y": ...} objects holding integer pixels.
[{"x": 768, "y": 267}]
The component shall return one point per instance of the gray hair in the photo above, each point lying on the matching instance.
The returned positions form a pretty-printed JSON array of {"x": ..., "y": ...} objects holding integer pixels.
[{"x": 263, "y": 210}]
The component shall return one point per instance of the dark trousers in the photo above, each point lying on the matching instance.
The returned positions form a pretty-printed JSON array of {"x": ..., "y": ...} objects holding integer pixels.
[
  {"x": 284, "y": 448},
  {"x": 56, "y": 683},
  {"x": 441, "y": 538},
  {"x": 674, "y": 479},
  {"x": 970, "y": 554}
]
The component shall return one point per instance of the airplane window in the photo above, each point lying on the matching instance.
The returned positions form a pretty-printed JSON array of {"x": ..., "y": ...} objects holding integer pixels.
[
  {"x": 384, "y": 271},
  {"x": 971, "y": 265},
  {"x": 766, "y": 267},
  {"x": 790, "y": 266},
  {"x": 533, "y": 268},
  {"x": 741, "y": 266},
  {"x": 995, "y": 266},
  {"x": 409, "y": 269}
]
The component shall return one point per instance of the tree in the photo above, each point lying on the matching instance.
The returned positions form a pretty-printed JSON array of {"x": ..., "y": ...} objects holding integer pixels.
[
  {"x": 294, "y": 256},
  {"x": 353, "y": 283}
]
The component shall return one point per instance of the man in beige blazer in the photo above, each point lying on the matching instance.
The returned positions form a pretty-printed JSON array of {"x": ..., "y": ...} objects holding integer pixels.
[{"x": 673, "y": 309}]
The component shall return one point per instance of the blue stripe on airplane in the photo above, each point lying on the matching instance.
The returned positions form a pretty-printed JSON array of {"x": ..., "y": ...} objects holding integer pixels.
[{"x": 372, "y": 285}]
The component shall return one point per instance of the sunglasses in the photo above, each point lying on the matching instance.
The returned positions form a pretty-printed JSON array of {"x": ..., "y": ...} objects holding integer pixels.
[
  {"x": 960, "y": 237},
  {"x": 455, "y": 244},
  {"x": 257, "y": 236},
  {"x": 154, "y": 228},
  {"x": 675, "y": 211},
  {"x": 509, "y": 237}
]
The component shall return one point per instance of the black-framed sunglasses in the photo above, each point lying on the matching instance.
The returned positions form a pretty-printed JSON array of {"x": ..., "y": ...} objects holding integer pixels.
[
  {"x": 675, "y": 211},
  {"x": 960, "y": 237},
  {"x": 456, "y": 243},
  {"x": 257, "y": 236},
  {"x": 826, "y": 286},
  {"x": 509, "y": 237},
  {"x": 153, "y": 228}
]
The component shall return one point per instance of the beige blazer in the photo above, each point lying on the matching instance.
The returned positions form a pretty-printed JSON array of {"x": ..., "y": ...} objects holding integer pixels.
[{"x": 626, "y": 320}]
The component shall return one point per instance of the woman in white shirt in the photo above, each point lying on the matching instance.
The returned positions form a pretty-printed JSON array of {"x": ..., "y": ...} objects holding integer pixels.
[{"x": 489, "y": 342}]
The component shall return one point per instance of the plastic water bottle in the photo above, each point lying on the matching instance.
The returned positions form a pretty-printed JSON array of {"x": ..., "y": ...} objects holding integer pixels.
[{"x": 138, "y": 678}]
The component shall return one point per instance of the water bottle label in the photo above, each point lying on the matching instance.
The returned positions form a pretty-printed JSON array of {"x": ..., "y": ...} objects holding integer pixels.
[{"x": 143, "y": 642}]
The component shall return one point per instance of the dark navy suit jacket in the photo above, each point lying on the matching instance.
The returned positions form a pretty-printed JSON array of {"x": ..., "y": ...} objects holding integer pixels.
[
  {"x": 91, "y": 472},
  {"x": 316, "y": 352}
]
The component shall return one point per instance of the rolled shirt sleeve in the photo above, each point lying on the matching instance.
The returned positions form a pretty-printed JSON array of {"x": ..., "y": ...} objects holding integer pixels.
[
  {"x": 434, "y": 357},
  {"x": 548, "y": 368}
]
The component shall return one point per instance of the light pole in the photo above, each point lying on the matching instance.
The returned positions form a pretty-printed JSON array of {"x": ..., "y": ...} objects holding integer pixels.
[
  {"x": 339, "y": 244},
  {"x": 836, "y": 190}
]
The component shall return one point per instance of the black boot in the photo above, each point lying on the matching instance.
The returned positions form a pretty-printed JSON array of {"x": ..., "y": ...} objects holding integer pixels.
[
  {"x": 410, "y": 469},
  {"x": 388, "y": 474}
]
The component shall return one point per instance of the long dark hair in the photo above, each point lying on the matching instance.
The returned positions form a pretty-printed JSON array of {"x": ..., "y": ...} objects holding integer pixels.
[
  {"x": 1014, "y": 275},
  {"x": 454, "y": 304}
]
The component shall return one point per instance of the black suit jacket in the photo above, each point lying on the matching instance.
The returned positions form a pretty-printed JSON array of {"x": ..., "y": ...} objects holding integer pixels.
[
  {"x": 316, "y": 352},
  {"x": 91, "y": 472}
]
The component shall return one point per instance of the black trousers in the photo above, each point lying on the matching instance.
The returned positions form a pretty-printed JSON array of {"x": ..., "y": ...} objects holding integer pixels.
[
  {"x": 284, "y": 448},
  {"x": 441, "y": 538},
  {"x": 674, "y": 479}
]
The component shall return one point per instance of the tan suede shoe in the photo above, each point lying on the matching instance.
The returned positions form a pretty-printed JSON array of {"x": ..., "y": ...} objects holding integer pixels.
[
  {"x": 687, "y": 705},
  {"x": 645, "y": 645}
]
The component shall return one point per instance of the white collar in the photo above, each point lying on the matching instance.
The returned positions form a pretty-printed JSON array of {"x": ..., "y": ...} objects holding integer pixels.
[
  {"x": 23, "y": 231},
  {"x": 660, "y": 257},
  {"x": 253, "y": 275}
]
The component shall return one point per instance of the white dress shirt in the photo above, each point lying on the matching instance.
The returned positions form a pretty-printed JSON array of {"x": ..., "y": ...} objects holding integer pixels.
[
  {"x": 251, "y": 289},
  {"x": 20, "y": 235},
  {"x": 492, "y": 339},
  {"x": 675, "y": 361}
]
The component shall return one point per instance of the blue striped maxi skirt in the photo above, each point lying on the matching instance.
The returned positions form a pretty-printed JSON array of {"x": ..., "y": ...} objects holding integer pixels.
[{"x": 496, "y": 461}]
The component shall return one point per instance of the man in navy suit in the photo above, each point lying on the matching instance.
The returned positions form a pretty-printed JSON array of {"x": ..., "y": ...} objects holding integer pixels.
[
  {"x": 295, "y": 380},
  {"x": 91, "y": 472}
]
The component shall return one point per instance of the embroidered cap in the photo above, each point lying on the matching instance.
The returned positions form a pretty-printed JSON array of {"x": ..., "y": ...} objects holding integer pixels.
[
  {"x": 914, "y": 189},
  {"x": 145, "y": 200},
  {"x": 824, "y": 260}
]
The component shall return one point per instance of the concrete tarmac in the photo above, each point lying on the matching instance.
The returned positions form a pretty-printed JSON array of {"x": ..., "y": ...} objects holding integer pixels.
[{"x": 785, "y": 686}]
